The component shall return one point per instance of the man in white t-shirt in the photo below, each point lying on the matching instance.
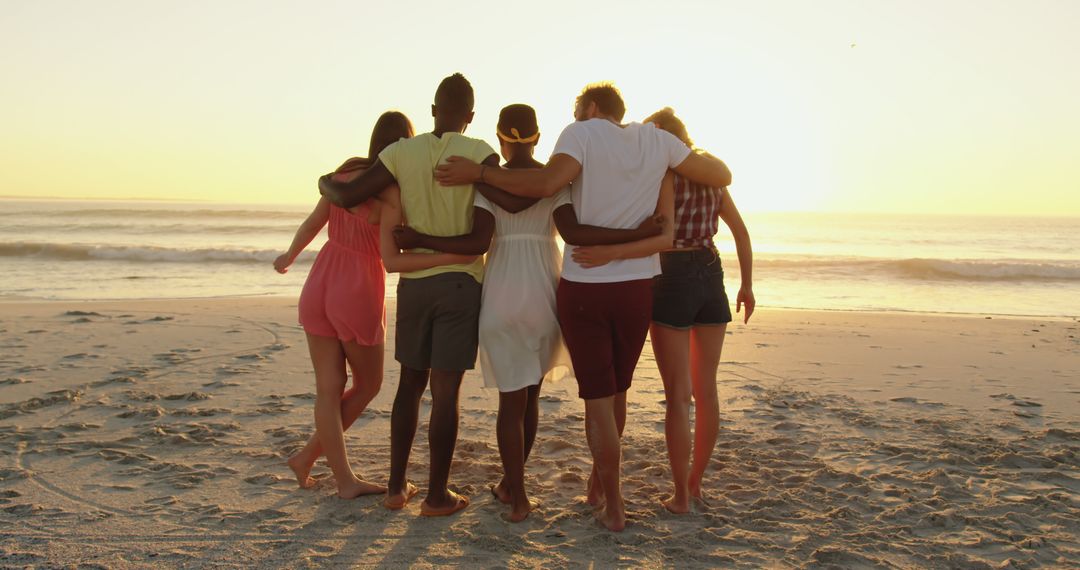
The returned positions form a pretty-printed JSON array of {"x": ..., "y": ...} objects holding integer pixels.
[{"x": 619, "y": 176}]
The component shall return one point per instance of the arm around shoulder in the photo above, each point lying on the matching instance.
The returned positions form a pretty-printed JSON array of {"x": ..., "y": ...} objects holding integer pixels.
[
  {"x": 560, "y": 171},
  {"x": 705, "y": 169},
  {"x": 354, "y": 190}
]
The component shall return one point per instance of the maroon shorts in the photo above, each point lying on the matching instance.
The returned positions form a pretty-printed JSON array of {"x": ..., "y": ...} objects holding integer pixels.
[{"x": 604, "y": 325}]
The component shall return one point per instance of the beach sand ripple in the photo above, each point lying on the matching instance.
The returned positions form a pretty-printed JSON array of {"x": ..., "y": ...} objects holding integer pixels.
[{"x": 167, "y": 448}]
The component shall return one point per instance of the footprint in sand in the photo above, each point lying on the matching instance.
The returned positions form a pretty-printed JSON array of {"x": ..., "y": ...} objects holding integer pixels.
[
  {"x": 170, "y": 358},
  {"x": 148, "y": 412},
  {"x": 189, "y": 396},
  {"x": 80, "y": 356},
  {"x": 264, "y": 479},
  {"x": 219, "y": 384},
  {"x": 11, "y": 474},
  {"x": 141, "y": 396},
  {"x": 199, "y": 412},
  {"x": 78, "y": 426},
  {"x": 113, "y": 380},
  {"x": 233, "y": 370}
]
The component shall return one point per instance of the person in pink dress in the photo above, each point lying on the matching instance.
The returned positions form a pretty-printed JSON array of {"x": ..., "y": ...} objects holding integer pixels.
[{"x": 343, "y": 312}]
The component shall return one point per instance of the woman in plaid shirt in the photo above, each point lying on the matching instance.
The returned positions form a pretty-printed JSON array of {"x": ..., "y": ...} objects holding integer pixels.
[{"x": 690, "y": 316}]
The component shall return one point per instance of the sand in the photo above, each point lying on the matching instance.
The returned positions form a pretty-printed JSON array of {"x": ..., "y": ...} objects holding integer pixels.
[{"x": 147, "y": 433}]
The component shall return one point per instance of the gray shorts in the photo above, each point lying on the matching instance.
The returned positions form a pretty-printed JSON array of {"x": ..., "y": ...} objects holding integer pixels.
[{"x": 438, "y": 322}]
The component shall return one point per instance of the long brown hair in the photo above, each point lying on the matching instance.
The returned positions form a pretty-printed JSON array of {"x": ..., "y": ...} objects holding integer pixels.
[{"x": 391, "y": 126}]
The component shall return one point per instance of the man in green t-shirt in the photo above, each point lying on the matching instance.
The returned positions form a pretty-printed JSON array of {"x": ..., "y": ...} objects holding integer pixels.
[{"x": 438, "y": 308}]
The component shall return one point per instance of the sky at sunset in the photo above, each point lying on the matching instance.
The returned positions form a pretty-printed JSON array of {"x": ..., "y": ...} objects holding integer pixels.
[{"x": 942, "y": 106}]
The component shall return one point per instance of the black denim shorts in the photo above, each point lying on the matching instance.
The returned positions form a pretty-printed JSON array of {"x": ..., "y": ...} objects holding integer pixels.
[{"x": 690, "y": 290}]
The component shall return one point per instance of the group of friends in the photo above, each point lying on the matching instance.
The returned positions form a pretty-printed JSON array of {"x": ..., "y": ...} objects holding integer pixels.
[{"x": 638, "y": 209}]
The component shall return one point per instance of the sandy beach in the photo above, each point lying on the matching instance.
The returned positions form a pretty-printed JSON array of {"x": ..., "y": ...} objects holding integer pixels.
[{"x": 143, "y": 433}]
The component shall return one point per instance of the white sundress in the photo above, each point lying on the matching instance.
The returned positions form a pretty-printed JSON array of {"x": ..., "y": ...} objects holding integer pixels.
[{"x": 520, "y": 341}]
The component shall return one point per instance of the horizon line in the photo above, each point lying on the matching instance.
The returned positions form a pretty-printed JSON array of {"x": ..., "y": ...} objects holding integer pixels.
[{"x": 297, "y": 203}]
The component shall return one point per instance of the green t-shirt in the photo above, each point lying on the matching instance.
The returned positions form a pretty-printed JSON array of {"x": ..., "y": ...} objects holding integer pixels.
[{"x": 429, "y": 208}]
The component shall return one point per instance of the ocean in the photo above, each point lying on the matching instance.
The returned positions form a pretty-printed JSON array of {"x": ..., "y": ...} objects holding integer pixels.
[{"x": 56, "y": 249}]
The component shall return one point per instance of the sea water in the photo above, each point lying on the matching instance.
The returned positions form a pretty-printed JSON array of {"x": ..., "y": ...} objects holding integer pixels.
[{"x": 58, "y": 249}]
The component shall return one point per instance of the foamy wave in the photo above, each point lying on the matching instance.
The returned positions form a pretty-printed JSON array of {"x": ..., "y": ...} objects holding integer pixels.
[
  {"x": 933, "y": 269},
  {"x": 81, "y": 252},
  {"x": 989, "y": 270}
]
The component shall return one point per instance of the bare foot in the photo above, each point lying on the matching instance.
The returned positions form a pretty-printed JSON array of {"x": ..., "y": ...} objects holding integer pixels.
[
  {"x": 398, "y": 501},
  {"x": 518, "y": 514},
  {"x": 501, "y": 492},
  {"x": 302, "y": 469},
  {"x": 677, "y": 505},
  {"x": 359, "y": 487},
  {"x": 613, "y": 519}
]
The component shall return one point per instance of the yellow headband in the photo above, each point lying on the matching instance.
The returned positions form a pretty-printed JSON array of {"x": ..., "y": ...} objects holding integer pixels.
[{"x": 517, "y": 136}]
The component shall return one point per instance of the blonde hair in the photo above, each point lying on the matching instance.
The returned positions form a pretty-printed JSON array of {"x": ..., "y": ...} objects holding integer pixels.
[
  {"x": 665, "y": 119},
  {"x": 607, "y": 97}
]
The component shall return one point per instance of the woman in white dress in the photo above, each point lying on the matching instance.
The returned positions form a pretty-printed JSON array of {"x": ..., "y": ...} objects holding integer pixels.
[{"x": 520, "y": 342}]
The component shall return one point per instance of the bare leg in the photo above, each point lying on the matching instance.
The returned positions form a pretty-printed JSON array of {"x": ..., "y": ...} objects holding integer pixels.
[
  {"x": 706, "y": 343},
  {"x": 511, "y": 428},
  {"x": 328, "y": 358},
  {"x": 594, "y": 491},
  {"x": 531, "y": 421},
  {"x": 442, "y": 436},
  {"x": 603, "y": 436},
  {"x": 672, "y": 349},
  {"x": 403, "y": 420},
  {"x": 366, "y": 363}
]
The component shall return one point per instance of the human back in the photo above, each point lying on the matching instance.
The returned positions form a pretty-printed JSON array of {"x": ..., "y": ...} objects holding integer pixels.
[
  {"x": 618, "y": 187},
  {"x": 429, "y": 208}
]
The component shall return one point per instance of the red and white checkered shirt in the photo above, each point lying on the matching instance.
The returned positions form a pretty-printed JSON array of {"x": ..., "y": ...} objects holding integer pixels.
[{"x": 697, "y": 213}]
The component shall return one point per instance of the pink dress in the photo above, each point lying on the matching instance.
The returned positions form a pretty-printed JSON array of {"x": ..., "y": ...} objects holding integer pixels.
[{"x": 343, "y": 296}]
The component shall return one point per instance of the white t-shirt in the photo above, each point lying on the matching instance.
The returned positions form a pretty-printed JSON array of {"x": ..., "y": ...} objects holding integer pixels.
[{"x": 621, "y": 171}]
